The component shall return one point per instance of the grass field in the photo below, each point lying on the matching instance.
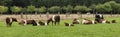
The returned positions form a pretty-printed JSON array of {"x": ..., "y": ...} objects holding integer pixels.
[{"x": 79, "y": 30}]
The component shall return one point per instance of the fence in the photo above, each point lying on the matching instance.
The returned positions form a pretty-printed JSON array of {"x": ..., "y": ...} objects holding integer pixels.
[{"x": 45, "y": 17}]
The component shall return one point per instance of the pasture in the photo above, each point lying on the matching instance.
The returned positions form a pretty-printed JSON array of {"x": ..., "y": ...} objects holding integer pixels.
[{"x": 79, "y": 30}]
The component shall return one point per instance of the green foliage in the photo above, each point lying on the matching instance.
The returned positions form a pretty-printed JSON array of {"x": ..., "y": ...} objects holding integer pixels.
[
  {"x": 54, "y": 9},
  {"x": 30, "y": 8},
  {"x": 16, "y": 9},
  {"x": 24, "y": 10},
  {"x": 68, "y": 8},
  {"x": 81, "y": 8},
  {"x": 3, "y": 9},
  {"x": 41, "y": 9},
  {"x": 103, "y": 7}
]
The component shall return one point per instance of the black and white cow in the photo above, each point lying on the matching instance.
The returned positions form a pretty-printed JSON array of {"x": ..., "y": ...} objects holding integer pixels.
[
  {"x": 98, "y": 17},
  {"x": 9, "y": 21}
]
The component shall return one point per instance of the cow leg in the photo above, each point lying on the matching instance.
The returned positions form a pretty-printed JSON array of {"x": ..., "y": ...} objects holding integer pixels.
[
  {"x": 9, "y": 24},
  {"x": 55, "y": 23},
  {"x": 52, "y": 23}
]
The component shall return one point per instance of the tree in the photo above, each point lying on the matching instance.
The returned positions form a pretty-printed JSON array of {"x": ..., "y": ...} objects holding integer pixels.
[
  {"x": 3, "y": 9},
  {"x": 68, "y": 8},
  {"x": 54, "y": 9},
  {"x": 81, "y": 8},
  {"x": 16, "y": 9},
  {"x": 31, "y": 8},
  {"x": 41, "y": 9}
]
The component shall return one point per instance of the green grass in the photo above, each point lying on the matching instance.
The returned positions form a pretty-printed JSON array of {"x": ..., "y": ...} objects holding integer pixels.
[{"x": 79, "y": 30}]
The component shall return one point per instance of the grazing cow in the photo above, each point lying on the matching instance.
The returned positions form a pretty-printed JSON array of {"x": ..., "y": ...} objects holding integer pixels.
[
  {"x": 9, "y": 21},
  {"x": 42, "y": 23},
  {"x": 76, "y": 21},
  {"x": 67, "y": 24},
  {"x": 25, "y": 22},
  {"x": 54, "y": 19},
  {"x": 113, "y": 21},
  {"x": 104, "y": 21},
  {"x": 98, "y": 17},
  {"x": 86, "y": 21}
]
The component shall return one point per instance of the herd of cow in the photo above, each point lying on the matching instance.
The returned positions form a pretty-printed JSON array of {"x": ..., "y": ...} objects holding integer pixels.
[{"x": 56, "y": 19}]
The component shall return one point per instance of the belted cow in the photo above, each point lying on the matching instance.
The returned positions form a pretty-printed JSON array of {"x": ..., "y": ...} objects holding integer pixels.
[
  {"x": 86, "y": 21},
  {"x": 9, "y": 21},
  {"x": 26, "y": 22},
  {"x": 54, "y": 19},
  {"x": 98, "y": 17},
  {"x": 67, "y": 24},
  {"x": 76, "y": 21}
]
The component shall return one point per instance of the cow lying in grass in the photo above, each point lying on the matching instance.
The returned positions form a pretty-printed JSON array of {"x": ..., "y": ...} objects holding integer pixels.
[
  {"x": 104, "y": 21},
  {"x": 86, "y": 21},
  {"x": 67, "y": 24},
  {"x": 10, "y": 20},
  {"x": 113, "y": 21},
  {"x": 26, "y": 22},
  {"x": 76, "y": 21},
  {"x": 42, "y": 23}
]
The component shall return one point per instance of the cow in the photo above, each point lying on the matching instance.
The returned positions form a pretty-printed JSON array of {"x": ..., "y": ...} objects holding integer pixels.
[
  {"x": 67, "y": 24},
  {"x": 104, "y": 21},
  {"x": 86, "y": 21},
  {"x": 98, "y": 17},
  {"x": 113, "y": 21},
  {"x": 26, "y": 22},
  {"x": 9, "y": 21},
  {"x": 76, "y": 21},
  {"x": 42, "y": 23},
  {"x": 54, "y": 19}
]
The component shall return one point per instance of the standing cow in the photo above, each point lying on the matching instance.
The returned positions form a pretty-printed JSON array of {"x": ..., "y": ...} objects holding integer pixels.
[
  {"x": 9, "y": 21},
  {"x": 98, "y": 17},
  {"x": 54, "y": 19}
]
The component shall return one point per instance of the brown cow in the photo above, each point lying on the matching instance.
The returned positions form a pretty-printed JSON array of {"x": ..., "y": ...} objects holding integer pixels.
[
  {"x": 54, "y": 19},
  {"x": 104, "y": 21},
  {"x": 86, "y": 21},
  {"x": 67, "y": 24},
  {"x": 113, "y": 21},
  {"x": 76, "y": 21},
  {"x": 42, "y": 23},
  {"x": 9, "y": 21},
  {"x": 25, "y": 22}
]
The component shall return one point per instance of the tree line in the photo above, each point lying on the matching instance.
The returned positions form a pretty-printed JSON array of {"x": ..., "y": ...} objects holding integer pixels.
[{"x": 16, "y": 7}]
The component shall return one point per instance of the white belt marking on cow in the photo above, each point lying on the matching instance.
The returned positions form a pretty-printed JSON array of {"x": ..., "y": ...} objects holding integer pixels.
[
  {"x": 11, "y": 20},
  {"x": 53, "y": 18},
  {"x": 100, "y": 16},
  {"x": 93, "y": 22},
  {"x": 104, "y": 21},
  {"x": 69, "y": 25},
  {"x": 25, "y": 22},
  {"x": 37, "y": 23},
  {"x": 45, "y": 23},
  {"x": 78, "y": 21},
  {"x": 83, "y": 21}
]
